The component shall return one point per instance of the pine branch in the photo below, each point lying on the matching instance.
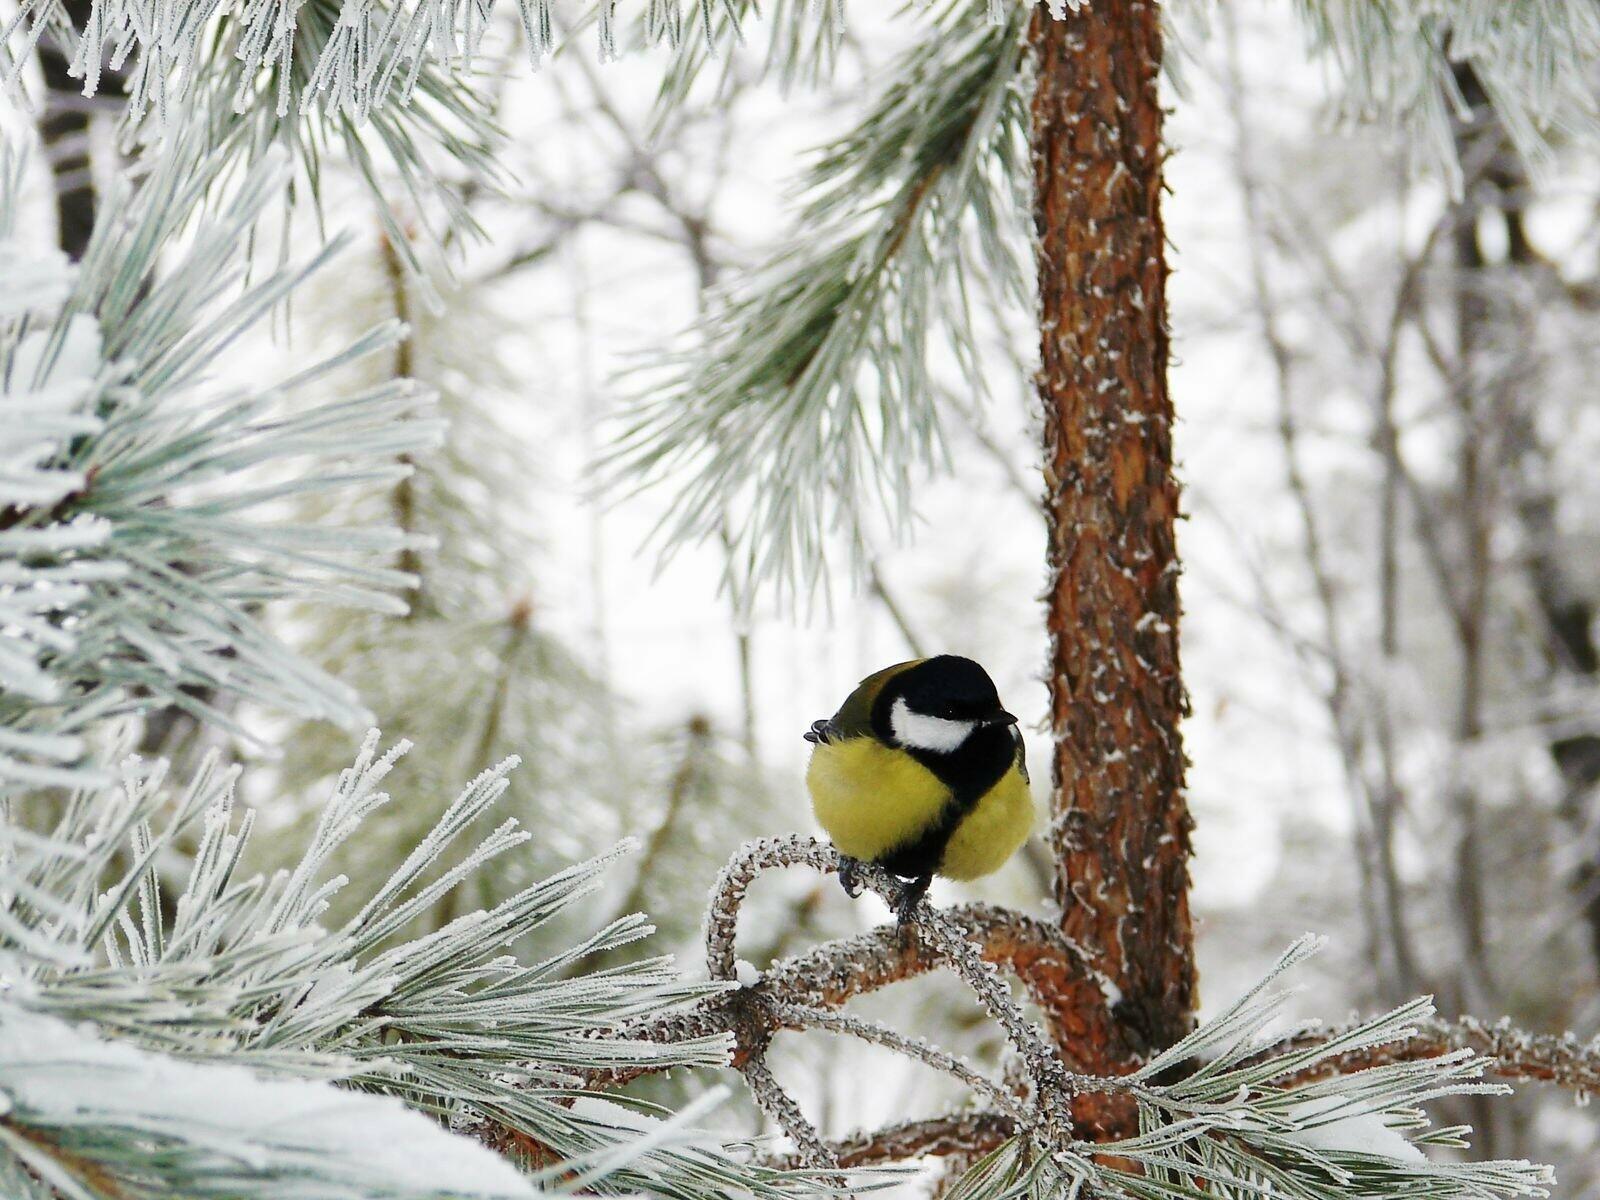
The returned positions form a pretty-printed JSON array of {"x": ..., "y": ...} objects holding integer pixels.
[
  {"x": 1357, "y": 1058},
  {"x": 143, "y": 530},
  {"x": 831, "y": 403},
  {"x": 369, "y": 78},
  {"x": 1212, "y": 1110},
  {"x": 1511, "y": 1053},
  {"x": 97, "y": 1119},
  {"x": 247, "y": 969},
  {"x": 359, "y": 57},
  {"x": 1536, "y": 63},
  {"x": 829, "y": 975}
]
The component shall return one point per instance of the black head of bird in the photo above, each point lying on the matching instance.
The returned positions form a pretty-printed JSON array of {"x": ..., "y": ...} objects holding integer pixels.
[
  {"x": 935, "y": 706},
  {"x": 922, "y": 772}
]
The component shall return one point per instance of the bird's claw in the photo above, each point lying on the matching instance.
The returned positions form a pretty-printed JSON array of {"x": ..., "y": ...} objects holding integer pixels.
[
  {"x": 911, "y": 896},
  {"x": 850, "y": 876}
]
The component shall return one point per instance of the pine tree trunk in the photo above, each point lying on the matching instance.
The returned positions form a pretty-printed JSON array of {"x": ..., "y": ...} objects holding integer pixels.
[
  {"x": 64, "y": 134},
  {"x": 1120, "y": 824}
]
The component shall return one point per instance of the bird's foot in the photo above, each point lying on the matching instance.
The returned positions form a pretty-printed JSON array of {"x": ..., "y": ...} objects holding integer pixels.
[
  {"x": 911, "y": 895},
  {"x": 850, "y": 876}
]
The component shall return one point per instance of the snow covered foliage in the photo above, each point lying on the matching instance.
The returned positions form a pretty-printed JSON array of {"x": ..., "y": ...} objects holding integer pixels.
[
  {"x": 225, "y": 966},
  {"x": 79, "y": 1113},
  {"x": 1404, "y": 60},
  {"x": 404, "y": 66},
  {"x": 815, "y": 373},
  {"x": 1251, "y": 1116},
  {"x": 141, "y": 500},
  {"x": 348, "y": 56}
]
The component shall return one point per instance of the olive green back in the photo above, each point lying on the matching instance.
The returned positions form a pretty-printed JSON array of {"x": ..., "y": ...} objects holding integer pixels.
[{"x": 854, "y": 718}]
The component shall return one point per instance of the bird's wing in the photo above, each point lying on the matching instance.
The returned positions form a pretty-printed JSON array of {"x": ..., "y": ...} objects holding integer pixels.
[
  {"x": 854, "y": 718},
  {"x": 1022, "y": 752}
]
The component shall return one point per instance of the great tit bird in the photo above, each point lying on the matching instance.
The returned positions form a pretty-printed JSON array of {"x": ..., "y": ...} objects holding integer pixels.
[{"x": 922, "y": 772}]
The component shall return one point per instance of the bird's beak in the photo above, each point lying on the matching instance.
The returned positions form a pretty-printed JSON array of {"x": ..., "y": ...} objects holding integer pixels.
[{"x": 1000, "y": 718}]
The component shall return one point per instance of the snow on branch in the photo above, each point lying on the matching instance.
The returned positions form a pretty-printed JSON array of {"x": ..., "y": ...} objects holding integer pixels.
[
  {"x": 87, "y": 1115},
  {"x": 219, "y": 964},
  {"x": 141, "y": 498}
]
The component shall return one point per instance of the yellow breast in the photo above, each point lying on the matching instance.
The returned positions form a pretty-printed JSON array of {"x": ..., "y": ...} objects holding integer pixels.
[
  {"x": 992, "y": 832},
  {"x": 870, "y": 799}
]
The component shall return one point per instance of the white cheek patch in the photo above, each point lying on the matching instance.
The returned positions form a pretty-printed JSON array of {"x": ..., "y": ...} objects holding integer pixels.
[{"x": 922, "y": 732}]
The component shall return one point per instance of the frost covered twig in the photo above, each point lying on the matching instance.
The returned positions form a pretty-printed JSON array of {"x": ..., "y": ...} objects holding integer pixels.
[
  {"x": 961, "y": 1133},
  {"x": 1511, "y": 1053},
  {"x": 1054, "y": 1085},
  {"x": 780, "y": 1106},
  {"x": 1044, "y": 960},
  {"x": 733, "y": 883},
  {"x": 920, "y": 1049}
]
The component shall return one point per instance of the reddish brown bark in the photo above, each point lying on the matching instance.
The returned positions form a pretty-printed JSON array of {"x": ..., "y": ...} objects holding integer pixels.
[{"x": 1120, "y": 827}]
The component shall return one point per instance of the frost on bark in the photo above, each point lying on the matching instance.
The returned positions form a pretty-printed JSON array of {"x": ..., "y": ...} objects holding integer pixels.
[{"x": 1120, "y": 826}]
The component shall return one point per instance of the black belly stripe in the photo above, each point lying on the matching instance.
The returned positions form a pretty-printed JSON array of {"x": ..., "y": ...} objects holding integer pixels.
[{"x": 969, "y": 773}]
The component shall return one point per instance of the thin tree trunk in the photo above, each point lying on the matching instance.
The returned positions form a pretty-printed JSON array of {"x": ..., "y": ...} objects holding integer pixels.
[
  {"x": 1478, "y": 397},
  {"x": 64, "y": 135},
  {"x": 1568, "y": 612},
  {"x": 1120, "y": 825},
  {"x": 403, "y": 500}
]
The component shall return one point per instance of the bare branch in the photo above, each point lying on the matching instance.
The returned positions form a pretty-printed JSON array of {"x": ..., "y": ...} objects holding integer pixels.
[
  {"x": 918, "y": 1048},
  {"x": 962, "y": 1133},
  {"x": 780, "y": 1106}
]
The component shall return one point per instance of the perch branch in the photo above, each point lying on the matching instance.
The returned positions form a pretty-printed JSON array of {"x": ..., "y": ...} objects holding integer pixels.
[
  {"x": 1047, "y": 963},
  {"x": 1054, "y": 1085}
]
